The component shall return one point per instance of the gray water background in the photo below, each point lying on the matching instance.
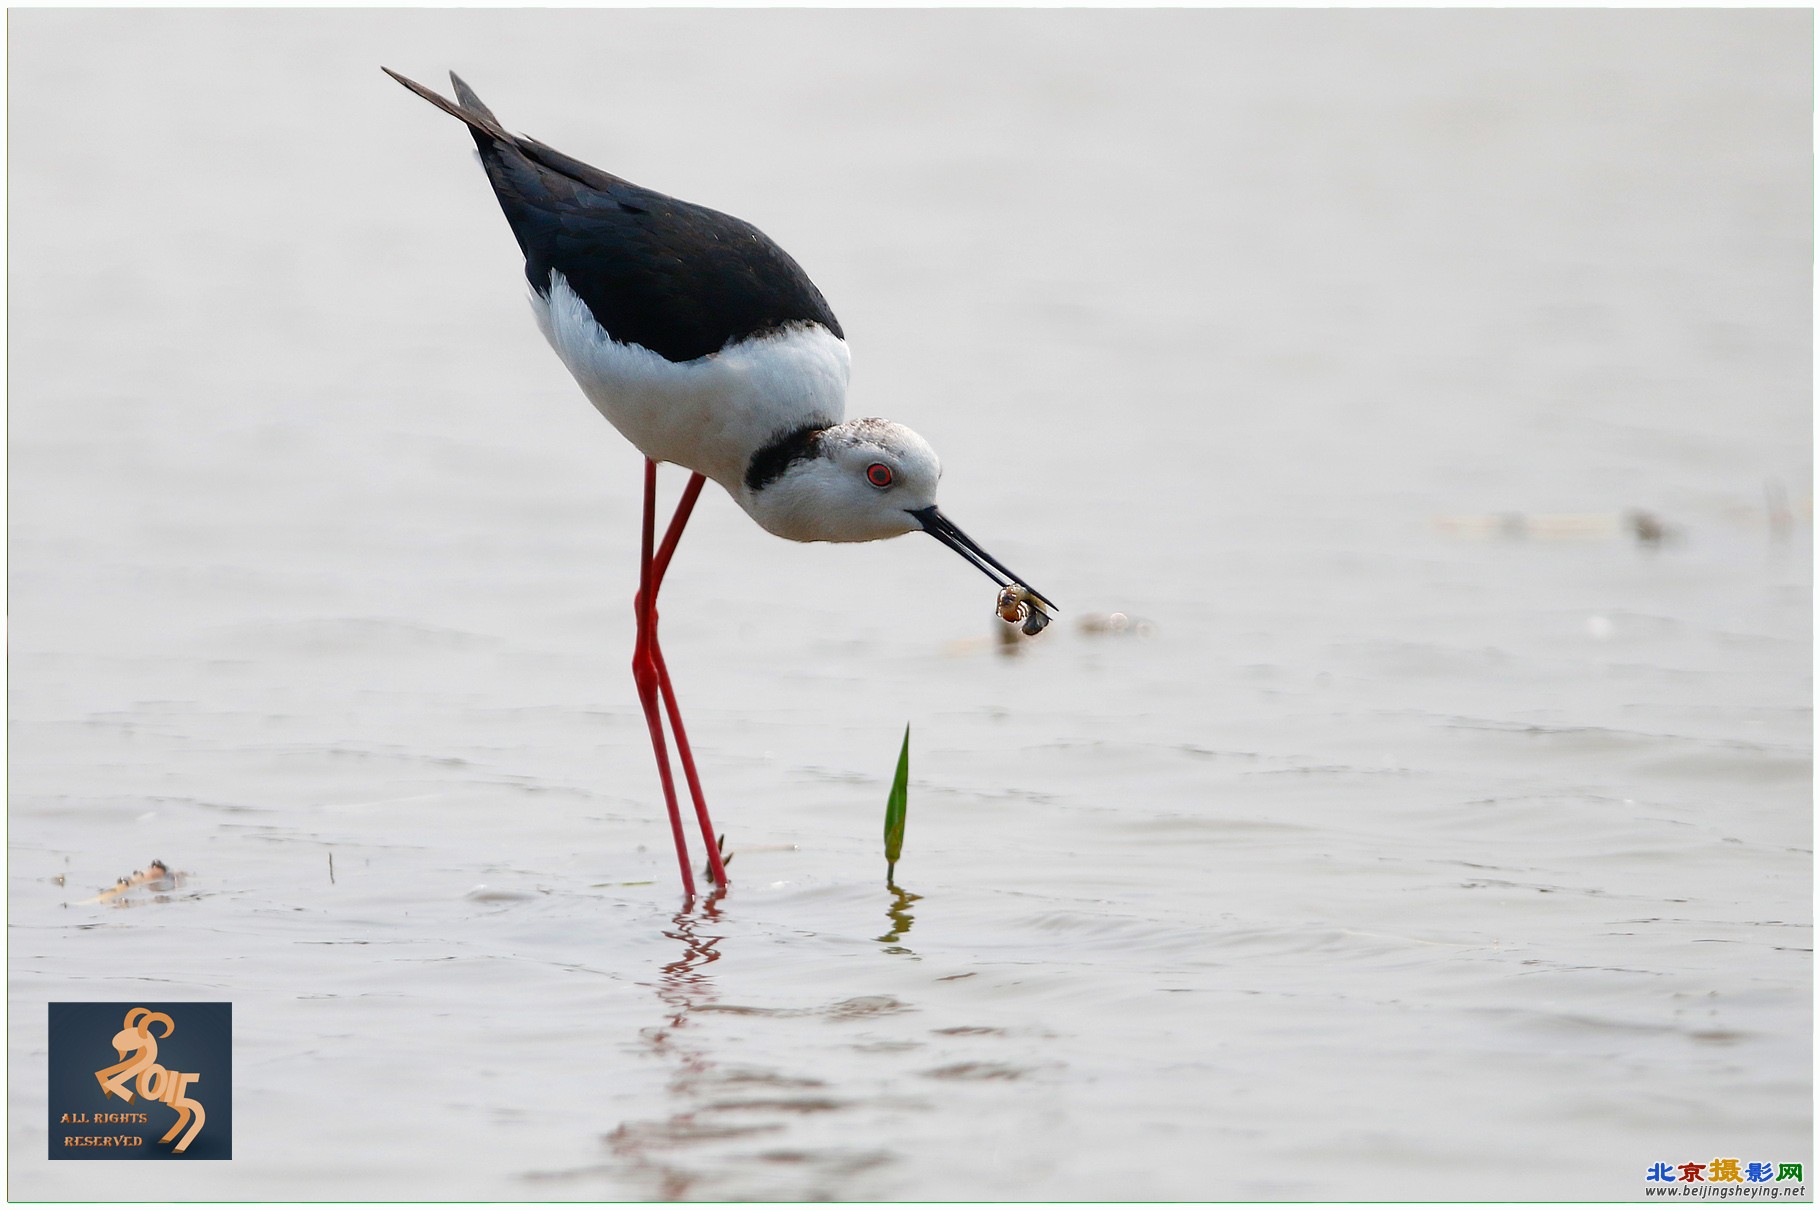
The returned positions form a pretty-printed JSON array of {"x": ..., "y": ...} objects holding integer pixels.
[{"x": 1399, "y": 856}]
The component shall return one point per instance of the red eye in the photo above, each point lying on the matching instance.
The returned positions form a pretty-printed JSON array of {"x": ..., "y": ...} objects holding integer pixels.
[{"x": 878, "y": 475}]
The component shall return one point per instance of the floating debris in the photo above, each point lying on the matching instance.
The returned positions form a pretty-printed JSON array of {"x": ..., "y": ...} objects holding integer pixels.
[
  {"x": 1776, "y": 509},
  {"x": 1638, "y": 524},
  {"x": 1648, "y": 528},
  {"x": 155, "y": 877},
  {"x": 482, "y": 893},
  {"x": 1116, "y": 623}
]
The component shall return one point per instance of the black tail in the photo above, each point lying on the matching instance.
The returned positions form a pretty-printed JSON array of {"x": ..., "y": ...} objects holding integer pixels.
[
  {"x": 471, "y": 110},
  {"x": 466, "y": 96},
  {"x": 508, "y": 156}
]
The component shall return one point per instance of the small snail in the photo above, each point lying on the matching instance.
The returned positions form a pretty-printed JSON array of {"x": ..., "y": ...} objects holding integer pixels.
[{"x": 1018, "y": 604}]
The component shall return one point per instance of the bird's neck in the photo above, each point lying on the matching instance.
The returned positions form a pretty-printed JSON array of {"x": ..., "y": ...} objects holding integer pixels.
[
  {"x": 786, "y": 484},
  {"x": 773, "y": 460}
]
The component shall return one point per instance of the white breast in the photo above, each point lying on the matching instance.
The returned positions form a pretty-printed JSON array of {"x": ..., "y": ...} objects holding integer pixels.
[{"x": 709, "y": 414}]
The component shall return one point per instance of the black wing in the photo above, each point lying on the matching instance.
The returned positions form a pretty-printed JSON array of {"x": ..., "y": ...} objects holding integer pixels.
[{"x": 680, "y": 279}]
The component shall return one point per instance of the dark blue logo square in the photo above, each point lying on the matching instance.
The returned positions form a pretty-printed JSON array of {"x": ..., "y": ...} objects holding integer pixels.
[{"x": 142, "y": 1081}]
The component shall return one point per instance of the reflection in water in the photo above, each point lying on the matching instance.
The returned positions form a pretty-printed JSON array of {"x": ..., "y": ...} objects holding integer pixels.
[
  {"x": 701, "y": 1149},
  {"x": 901, "y": 919},
  {"x": 685, "y": 985},
  {"x": 684, "y": 988}
]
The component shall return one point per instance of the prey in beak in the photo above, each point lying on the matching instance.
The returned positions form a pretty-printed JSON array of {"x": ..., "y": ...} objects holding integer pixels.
[{"x": 1016, "y": 598}]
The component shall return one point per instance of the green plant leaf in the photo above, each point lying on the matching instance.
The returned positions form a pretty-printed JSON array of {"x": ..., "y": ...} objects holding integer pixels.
[{"x": 896, "y": 807}]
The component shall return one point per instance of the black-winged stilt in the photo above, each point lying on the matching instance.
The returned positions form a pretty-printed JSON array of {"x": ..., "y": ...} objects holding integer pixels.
[{"x": 706, "y": 345}]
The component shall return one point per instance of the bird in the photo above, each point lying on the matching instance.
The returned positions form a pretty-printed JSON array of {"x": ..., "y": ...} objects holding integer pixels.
[{"x": 708, "y": 347}]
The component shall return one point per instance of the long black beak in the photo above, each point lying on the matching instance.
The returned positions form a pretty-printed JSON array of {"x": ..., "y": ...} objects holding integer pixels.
[{"x": 950, "y": 535}]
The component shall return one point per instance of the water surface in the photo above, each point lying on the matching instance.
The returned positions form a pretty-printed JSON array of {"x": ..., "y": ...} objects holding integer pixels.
[{"x": 1434, "y": 836}]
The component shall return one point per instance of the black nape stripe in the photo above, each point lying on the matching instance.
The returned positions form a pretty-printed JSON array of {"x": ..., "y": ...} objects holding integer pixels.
[{"x": 776, "y": 455}]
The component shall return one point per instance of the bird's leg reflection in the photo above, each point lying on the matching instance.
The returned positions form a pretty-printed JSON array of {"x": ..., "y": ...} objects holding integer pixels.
[
  {"x": 734, "y": 1122},
  {"x": 684, "y": 986},
  {"x": 901, "y": 919}
]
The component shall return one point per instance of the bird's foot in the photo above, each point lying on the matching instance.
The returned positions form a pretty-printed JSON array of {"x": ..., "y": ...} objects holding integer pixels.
[{"x": 726, "y": 859}]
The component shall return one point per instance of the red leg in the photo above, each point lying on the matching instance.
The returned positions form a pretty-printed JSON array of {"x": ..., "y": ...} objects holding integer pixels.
[
  {"x": 645, "y": 671},
  {"x": 673, "y": 535},
  {"x": 684, "y": 507}
]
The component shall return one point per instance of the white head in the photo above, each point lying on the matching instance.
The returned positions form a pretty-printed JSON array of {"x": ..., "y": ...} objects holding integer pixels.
[
  {"x": 853, "y": 482},
  {"x": 858, "y": 482}
]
